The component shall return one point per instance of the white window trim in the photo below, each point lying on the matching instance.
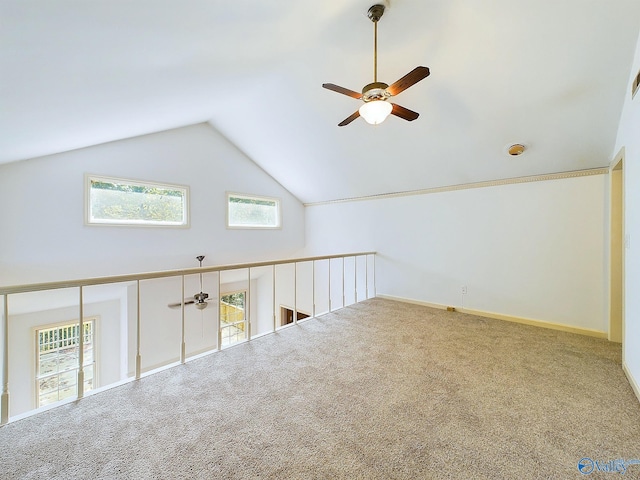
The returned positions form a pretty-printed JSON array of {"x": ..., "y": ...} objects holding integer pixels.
[
  {"x": 133, "y": 223},
  {"x": 277, "y": 201}
]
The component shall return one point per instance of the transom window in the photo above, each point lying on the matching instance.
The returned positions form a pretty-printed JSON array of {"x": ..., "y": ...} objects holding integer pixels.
[
  {"x": 232, "y": 317},
  {"x": 245, "y": 211},
  {"x": 57, "y": 361},
  {"x": 115, "y": 201}
]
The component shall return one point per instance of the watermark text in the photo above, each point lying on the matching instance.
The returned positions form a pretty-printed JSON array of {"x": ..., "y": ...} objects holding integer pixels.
[{"x": 587, "y": 466}]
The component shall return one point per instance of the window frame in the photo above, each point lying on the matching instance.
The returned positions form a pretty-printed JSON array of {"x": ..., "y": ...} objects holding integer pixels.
[
  {"x": 186, "y": 223},
  {"x": 245, "y": 293},
  {"x": 276, "y": 200},
  {"x": 94, "y": 321}
]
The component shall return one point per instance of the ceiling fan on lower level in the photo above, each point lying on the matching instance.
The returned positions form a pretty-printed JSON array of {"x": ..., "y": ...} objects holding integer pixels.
[
  {"x": 375, "y": 95},
  {"x": 199, "y": 299}
]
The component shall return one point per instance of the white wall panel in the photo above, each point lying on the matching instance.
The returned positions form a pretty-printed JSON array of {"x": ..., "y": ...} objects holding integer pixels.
[
  {"x": 533, "y": 250},
  {"x": 321, "y": 286},
  {"x": 336, "y": 274},
  {"x": 285, "y": 289},
  {"x": 262, "y": 300},
  {"x": 45, "y": 239},
  {"x": 361, "y": 278},
  {"x": 160, "y": 326},
  {"x": 200, "y": 330},
  {"x": 349, "y": 281},
  {"x": 304, "y": 287}
]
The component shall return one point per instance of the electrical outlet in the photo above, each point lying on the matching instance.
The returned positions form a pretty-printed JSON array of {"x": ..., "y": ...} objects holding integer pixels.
[{"x": 464, "y": 289}]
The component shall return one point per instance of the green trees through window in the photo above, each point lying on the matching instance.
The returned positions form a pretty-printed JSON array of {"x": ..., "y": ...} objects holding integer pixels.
[
  {"x": 253, "y": 212},
  {"x": 113, "y": 201}
]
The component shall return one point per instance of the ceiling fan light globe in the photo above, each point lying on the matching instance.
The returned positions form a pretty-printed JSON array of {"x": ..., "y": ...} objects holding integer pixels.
[
  {"x": 201, "y": 305},
  {"x": 375, "y": 111}
]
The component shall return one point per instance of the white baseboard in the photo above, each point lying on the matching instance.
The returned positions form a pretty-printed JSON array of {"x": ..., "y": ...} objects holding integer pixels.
[
  {"x": 415, "y": 302},
  {"x": 632, "y": 381},
  {"x": 509, "y": 318}
]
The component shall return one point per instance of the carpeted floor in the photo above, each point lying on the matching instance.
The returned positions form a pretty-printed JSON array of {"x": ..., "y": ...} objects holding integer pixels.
[{"x": 380, "y": 389}]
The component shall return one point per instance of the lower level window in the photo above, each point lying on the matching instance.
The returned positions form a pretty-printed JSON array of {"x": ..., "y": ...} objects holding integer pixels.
[
  {"x": 232, "y": 317},
  {"x": 57, "y": 361}
]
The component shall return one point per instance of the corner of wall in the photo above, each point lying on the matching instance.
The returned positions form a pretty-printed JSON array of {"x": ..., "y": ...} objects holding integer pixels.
[
  {"x": 632, "y": 381},
  {"x": 627, "y": 138}
]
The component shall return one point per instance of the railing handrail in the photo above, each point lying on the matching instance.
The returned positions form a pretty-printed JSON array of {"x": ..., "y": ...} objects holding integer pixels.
[{"x": 132, "y": 277}]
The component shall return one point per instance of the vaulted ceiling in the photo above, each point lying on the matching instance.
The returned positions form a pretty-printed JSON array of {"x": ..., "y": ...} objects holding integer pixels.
[{"x": 551, "y": 74}]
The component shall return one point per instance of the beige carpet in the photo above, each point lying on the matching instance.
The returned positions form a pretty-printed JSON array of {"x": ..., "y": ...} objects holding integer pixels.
[{"x": 380, "y": 389}]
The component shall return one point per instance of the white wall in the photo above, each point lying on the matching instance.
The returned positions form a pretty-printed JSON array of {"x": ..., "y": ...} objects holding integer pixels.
[
  {"x": 532, "y": 250},
  {"x": 201, "y": 334},
  {"x": 321, "y": 287},
  {"x": 304, "y": 287},
  {"x": 629, "y": 138},
  {"x": 160, "y": 326},
  {"x": 262, "y": 299},
  {"x": 285, "y": 289},
  {"x": 44, "y": 237}
]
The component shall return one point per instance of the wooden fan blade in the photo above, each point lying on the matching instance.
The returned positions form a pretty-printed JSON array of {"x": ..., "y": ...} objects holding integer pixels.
[
  {"x": 411, "y": 78},
  {"x": 342, "y": 90},
  {"x": 404, "y": 113},
  {"x": 349, "y": 119},
  {"x": 176, "y": 305}
]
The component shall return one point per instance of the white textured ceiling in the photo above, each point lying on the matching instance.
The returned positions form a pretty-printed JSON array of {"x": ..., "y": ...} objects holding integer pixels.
[{"x": 549, "y": 73}]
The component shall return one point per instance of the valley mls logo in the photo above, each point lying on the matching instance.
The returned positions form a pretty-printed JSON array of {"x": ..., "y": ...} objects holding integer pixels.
[{"x": 587, "y": 465}]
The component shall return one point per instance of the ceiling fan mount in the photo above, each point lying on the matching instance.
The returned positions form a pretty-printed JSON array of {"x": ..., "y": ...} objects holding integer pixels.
[
  {"x": 375, "y": 12},
  {"x": 375, "y": 95}
]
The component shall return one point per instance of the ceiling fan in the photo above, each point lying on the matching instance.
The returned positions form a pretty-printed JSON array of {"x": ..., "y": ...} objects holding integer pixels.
[
  {"x": 199, "y": 299},
  {"x": 375, "y": 95}
]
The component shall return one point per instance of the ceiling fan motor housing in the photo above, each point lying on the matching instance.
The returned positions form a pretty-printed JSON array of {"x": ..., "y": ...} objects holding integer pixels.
[
  {"x": 375, "y": 91},
  {"x": 201, "y": 297},
  {"x": 201, "y": 300}
]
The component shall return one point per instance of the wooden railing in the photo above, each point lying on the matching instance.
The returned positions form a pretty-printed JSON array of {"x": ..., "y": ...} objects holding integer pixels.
[{"x": 314, "y": 275}]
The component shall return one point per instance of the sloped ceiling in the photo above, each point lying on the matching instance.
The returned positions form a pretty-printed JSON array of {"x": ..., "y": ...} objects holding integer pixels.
[{"x": 552, "y": 74}]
